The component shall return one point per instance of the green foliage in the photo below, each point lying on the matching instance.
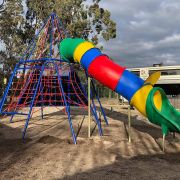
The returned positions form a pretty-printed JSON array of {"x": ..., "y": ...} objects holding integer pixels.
[
  {"x": 1, "y": 83},
  {"x": 81, "y": 19},
  {"x": 11, "y": 28},
  {"x": 11, "y": 21},
  {"x": 3, "y": 71}
]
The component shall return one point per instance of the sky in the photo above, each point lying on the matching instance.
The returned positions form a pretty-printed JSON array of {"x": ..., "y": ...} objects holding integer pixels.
[{"x": 148, "y": 32}]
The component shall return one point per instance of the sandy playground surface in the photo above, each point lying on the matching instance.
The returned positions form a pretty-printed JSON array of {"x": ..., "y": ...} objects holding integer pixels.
[{"x": 49, "y": 153}]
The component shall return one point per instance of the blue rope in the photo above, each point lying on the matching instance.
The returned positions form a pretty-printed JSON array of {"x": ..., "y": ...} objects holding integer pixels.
[{"x": 52, "y": 31}]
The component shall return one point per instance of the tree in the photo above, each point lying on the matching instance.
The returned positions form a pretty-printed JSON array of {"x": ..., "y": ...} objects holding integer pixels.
[
  {"x": 11, "y": 36},
  {"x": 11, "y": 22},
  {"x": 81, "y": 19}
]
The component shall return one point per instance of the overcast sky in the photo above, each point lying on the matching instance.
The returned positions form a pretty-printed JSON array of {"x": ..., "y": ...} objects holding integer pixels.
[{"x": 148, "y": 31}]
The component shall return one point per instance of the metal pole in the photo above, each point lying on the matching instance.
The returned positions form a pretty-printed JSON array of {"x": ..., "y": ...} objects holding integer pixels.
[
  {"x": 7, "y": 88},
  {"x": 102, "y": 110},
  {"x": 174, "y": 135},
  {"x": 66, "y": 104},
  {"x": 109, "y": 94},
  {"x": 32, "y": 101},
  {"x": 129, "y": 124},
  {"x": 52, "y": 33},
  {"x": 89, "y": 107},
  {"x": 41, "y": 89},
  {"x": 93, "y": 106},
  {"x": 163, "y": 145}
]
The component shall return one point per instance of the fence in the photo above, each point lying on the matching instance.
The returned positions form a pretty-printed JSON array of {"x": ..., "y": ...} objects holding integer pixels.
[{"x": 175, "y": 100}]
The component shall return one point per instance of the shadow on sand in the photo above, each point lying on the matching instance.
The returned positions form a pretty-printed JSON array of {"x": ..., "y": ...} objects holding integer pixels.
[
  {"x": 156, "y": 167},
  {"x": 11, "y": 147}
]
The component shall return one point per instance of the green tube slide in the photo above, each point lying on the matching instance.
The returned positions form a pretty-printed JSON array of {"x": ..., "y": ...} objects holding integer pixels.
[{"x": 168, "y": 118}]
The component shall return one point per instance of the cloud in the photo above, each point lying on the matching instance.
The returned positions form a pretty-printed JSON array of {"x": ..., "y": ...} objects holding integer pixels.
[
  {"x": 148, "y": 31},
  {"x": 170, "y": 39}
]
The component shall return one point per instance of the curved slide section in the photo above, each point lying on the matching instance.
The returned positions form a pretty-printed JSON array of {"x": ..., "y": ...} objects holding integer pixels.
[
  {"x": 151, "y": 102},
  {"x": 168, "y": 118}
]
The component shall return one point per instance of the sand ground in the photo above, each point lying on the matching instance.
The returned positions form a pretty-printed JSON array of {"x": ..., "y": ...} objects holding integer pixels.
[{"x": 49, "y": 152}]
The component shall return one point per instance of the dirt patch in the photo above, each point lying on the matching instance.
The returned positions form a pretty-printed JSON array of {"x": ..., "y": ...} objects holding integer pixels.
[
  {"x": 50, "y": 140},
  {"x": 49, "y": 152}
]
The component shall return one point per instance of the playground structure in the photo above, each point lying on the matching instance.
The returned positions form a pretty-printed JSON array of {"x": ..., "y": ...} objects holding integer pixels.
[
  {"x": 46, "y": 76},
  {"x": 150, "y": 102},
  {"x": 41, "y": 78}
]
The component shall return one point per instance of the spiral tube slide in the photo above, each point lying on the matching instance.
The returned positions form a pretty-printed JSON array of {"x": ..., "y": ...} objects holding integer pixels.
[{"x": 149, "y": 101}]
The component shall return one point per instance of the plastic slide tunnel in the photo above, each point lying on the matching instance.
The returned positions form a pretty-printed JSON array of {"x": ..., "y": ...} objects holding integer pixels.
[
  {"x": 169, "y": 118},
  {"x": 138, "y": 92}
]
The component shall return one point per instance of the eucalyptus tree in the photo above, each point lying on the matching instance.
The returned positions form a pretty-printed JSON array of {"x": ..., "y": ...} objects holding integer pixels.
[{"x": 82, "y": 18}]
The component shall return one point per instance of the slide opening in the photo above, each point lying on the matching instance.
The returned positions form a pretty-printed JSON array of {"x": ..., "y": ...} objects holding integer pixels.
[{"x": 157, "y": 99}]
